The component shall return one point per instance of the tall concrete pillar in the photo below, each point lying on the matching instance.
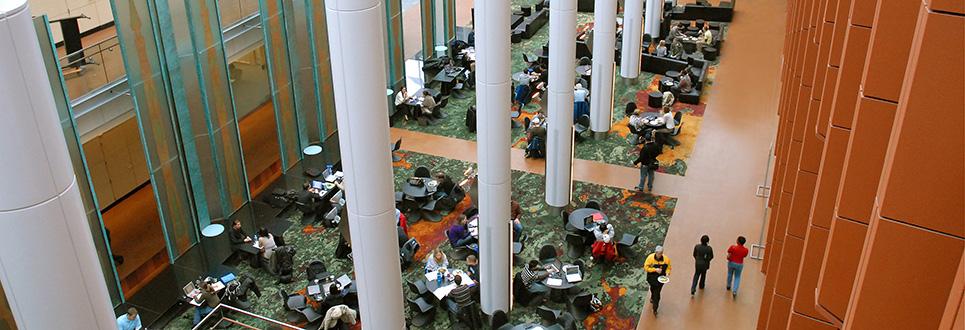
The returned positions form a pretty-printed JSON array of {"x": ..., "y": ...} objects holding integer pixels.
[
  {"x": 632, "y": 35},
  {"x": 651, "y": 25},
  {"x": 50, "y": 253},
  {"x": 559, "y": 144},
  {"x": 493, "y": 129},
  {"x": 604, "y": 33},
  {"x": 355, "y": 29}
]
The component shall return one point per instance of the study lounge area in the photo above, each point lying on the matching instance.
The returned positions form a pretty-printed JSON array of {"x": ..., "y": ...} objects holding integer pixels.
[{"x": 322, "y": 202}]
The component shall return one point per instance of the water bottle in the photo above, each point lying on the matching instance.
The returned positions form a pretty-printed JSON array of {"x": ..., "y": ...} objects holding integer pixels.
[
  {"x": 328, "y": 170},
  {"x": 438, "y": 278}
]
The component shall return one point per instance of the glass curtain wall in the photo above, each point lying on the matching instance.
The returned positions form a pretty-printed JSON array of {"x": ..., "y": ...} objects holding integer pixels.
[
  {"x": 318, "y": 24},
  {"x": 137, "y": 32},
  {"x": 78, "y": 160},
  {"x": 395, "y": 50},
  {"x": 280, "y": 79}
]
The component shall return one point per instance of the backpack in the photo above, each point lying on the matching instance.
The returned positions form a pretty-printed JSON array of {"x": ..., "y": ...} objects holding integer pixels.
[
  {"x": 407, "y": 252},
  {"x": 283, "y": 262},
  {"x": 535, "y": 147}
]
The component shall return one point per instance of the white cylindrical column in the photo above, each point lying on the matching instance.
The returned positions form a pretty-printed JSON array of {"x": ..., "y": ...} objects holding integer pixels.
[
  {"x": 493, "y": 139},
  {"x": 652, "y": 22},
  {"x": 439, "y": 22},
  {"x": 604, "y": 33},
  {"x": 559, "y": 135},
  {"x": 355, "y": 30},
  {"x": 49, "y": 253},
  {"x": 632, "y": 35}
]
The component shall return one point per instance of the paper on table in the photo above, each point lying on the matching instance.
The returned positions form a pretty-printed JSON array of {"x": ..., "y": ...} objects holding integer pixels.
[{"x": 554, "y": 281}]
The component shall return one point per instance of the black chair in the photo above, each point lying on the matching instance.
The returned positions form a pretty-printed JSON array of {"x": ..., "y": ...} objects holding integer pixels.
[
  {"x": 678, "y": 119},
  {"x": 526, "y": 123},
  {"x": 547, "y": 252},
  {"x": 292, "y": 315},
  {"x": 316, "y": 270},
  {"x": 575, "y": 246},
  {"x": 395, "y": 147},
  {"x": 310, "y": 314},
  {"x": 593, "y": 205},
  {"x": 423, "y": 312},
  {"x": 580, "y": 306},
  {"x": 418, "y": 287},
  {"x": 422, "y": 172},
  {"x": 581, "y": 126},
  {"x": 548, "y": 315},
  {"x": 627, "y": 241}
]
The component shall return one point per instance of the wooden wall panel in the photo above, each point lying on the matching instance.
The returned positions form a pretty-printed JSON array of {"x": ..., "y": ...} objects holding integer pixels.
[
  {"x": 840, "y": 266},
  {"x": 797, "y": 223},
  {"x": 891, "y": 44},
  {"x": 790, "y": 263},
  {"x": 866, "y": 154},
  {"x": 925, "y": 185},
  {"x": 780, "y": 313},
  {"x": 852, "y": 65},
  {"x": 952, "y": 6},
  {"x": 814, "y": 248},
  {"x": 826, "y": 191},
  {"x": 863, "y": 12},
  {"x": 908, "y": 277},
  {"x": 799, "y": 322}
]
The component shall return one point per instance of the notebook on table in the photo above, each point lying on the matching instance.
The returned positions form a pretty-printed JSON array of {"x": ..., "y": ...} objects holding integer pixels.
[{"x": 573, "y": 273}]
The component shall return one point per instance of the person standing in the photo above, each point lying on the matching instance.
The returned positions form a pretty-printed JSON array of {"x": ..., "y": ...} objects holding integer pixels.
[
  {"x": 648, "y": 162},
  {"x": 703, "y": 253},
  {"x": 656, "y": 265},
  {"x": 735, "y": 264}
]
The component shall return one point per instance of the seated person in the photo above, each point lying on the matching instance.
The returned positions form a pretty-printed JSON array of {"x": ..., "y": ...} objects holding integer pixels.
[
  {"x": 705, "y": 38},
  {"x": 458, "y": 234},
  {"x": 266, "y": 241},
  {"x": 241, "y": 243},
  {"x": 533, "y": 275},
  {"x": 333, "y": 298},
  {"x": 663, "y": 134},
  {"x": 472, "y": 267},
  {"x": 129, "y": 321},
  {"x": 661, "y": 49},
  {"x": 676, "y": 31},
  {"x": 604, "y": 249},
  {"x": 208, "y": 299},
  {"x": 428, "y": 110},
  {"x": 443, "y": 180},
  {"x": 676, "y": 48},
  {"x": 307, "y": 201},
  {"x": 401, "y": 221},
  {"x": 436, "y": 260},
  {"x": 668, "y": 100},
  {"x": 516, "y": 212},
  {"x": 523, "y": 95},
  {"x": 462, "y": 296},
  {"x": 685, "y": 85},
  {"x": 400, "y": 106},
  {"x": 580, "y": 105}
]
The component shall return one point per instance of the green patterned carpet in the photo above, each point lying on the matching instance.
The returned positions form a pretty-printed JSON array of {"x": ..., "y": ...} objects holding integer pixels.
[
  {"x": 614, "y": 149},
  {"x": 621, "y": 287}
]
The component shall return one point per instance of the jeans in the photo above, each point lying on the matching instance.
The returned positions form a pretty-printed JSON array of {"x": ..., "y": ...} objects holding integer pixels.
[
  {"x": 200, "y": 312},
  {"x": 655, "y": 288},
  {"x": 645, "y": 173},
  {"x": 517, "y": 230},
  {"x": 734, "y": 272},
  {"x": 700, "y": 275},
  {"x": 538, "y": 288},
  {"x": 464, "y": 241}
]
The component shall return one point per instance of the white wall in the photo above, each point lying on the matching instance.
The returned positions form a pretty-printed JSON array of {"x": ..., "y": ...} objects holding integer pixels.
[{"x": 99, "y": 12}]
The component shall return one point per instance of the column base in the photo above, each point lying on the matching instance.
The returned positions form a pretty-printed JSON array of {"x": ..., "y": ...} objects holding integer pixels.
[
  {"x": 600, "y": 135},
  {"x": 554, "y": 210}
]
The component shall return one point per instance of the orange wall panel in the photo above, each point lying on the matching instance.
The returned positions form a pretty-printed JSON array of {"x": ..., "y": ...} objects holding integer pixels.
[
  {"x": 953, "y": 6},
  {"x": 863, "y": 12},
  {"x": 793, "y": 159},
  {"x": 783, "y": 211},
  {"x": 849, "y": 78},
  {"x": 907, "y": 279},
  {"x": 826, "y": 191},
  {"x": 840, "y": 30},
  {"x": 797, "y": 223},
  {"x": 865, "y": 159},
  {"x": 890, "y": 47},
  {"x": 929, "y": 138},
  {"x": 814, "y": 248},
  {"x": 813, "y": 143},
  {"x": 790, "y": 262},
  {"x": 801, "y": 113},
  {"x": 799, "y": 322},
  {"x": 820, "y": 73},
  {"x": 840, "y": 266},
  {"x": 780, "y": 313},
  {"x": 830, "y": 84}
]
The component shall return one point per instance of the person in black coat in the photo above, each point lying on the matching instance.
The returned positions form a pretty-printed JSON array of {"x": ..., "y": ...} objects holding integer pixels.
[
  {"x": 648, "y": 163},
  {"x": 703, "y": 254},
  {"x": 241, "y": 243}
]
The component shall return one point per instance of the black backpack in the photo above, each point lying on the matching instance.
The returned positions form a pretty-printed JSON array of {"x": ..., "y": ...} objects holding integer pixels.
[
  {"x": 535, "y": 147},
  {"x": 284, "y": 263}
]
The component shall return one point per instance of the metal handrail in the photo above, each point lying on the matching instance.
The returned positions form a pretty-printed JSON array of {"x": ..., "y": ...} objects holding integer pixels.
[
  {"x": 221, "y": 308},
  {"x": 85, "y": 49}
]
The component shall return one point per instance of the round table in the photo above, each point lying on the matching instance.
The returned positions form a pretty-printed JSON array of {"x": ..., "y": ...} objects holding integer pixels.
[
  {"x": 562, "y": 276},
  {"x": 655, "y": 99},
  {"x": 576, "y": 218},
  {"x": 653, "y": 120},
  {"x": 415, "y": 191},
  {"x": 666, "y": 83},
  {"x": 673, "y": 74}
]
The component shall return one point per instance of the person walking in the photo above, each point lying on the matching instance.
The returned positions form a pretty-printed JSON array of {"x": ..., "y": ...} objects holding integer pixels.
[
  {"x": 648, "y": 162},
  {"x": 735, "y": 264},
  {"x": 703, "y": 253},
  {"x": 656, "y": 265}
]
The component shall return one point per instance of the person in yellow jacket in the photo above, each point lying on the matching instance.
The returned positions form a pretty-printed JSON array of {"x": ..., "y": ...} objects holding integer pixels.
[{"x": 656, "y": 265}]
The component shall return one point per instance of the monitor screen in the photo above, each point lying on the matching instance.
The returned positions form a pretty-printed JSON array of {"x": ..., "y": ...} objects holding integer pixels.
[{"x": 317, "y": 185}]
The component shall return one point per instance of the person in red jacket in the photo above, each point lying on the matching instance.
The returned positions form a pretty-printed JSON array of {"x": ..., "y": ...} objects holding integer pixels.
[{"x": 735, "y": 264}]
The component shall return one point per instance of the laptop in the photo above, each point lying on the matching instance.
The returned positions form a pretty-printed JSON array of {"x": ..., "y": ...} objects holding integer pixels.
[
  {"x": 190, "y": 290},
  {"x": 228, "y": 278},
  {"x": 314, "y": 290},
  {"x": 573, "y": 274},
  {"x": 317, "y": 185}
]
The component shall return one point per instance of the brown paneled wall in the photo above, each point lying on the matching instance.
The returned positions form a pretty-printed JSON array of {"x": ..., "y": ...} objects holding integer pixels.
[{"x": 868, "y": 205}]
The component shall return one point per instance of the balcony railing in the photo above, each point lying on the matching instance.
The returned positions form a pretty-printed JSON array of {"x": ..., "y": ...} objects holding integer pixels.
[{"x": 225, "y": 315}]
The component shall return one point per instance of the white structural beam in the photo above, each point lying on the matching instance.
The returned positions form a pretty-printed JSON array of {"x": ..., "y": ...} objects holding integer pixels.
[
  {"x": 632, "y": 35},
  {"x": 562, "y": 60},
  {"x": 50, "y": 253},
  {"x": 493, "y": 141},
  {"x": 604, "y": 31},
  {"x": 652, "y": 22},
  {"x": 355, "y": 29}
]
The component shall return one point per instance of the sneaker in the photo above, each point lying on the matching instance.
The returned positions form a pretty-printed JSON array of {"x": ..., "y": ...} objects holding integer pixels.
[
  {"x": 728, "y": 288},
  {"x": 692, "y": 292},
  {"x": 735, "y": 295}
]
